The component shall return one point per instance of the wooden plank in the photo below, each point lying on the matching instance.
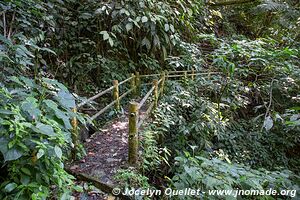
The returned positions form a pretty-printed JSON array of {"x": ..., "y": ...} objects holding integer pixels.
[
  {"x": 95, "y": 97},
  {"x": 231, "y": 2},
  {"x": 110, "y": 105},
  {"x": 147, "y": 95},
  {"x": 182, "y": 75},
  {"x": 125, "y": 81},
  {"x": 146, "y": 115},
  {"x": 155, "y": 85}
]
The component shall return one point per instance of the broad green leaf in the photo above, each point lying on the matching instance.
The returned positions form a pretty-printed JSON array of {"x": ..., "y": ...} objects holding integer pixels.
[
  {"x": 48, "y": 50},
  {"x": 66, "y": 99},
  {"x": 26, "y": 171},
  {"x": 23, "y": 51},
  {"x": 25, "y": 179},
  {"x": 167, "y": 27},
  {"x": 129, "y": 26},
  {"x": 56, "y": 83},
  {"x": 51, "y": 104},
  {"x": 16, "y": 80},
  {"x": 172, "y": 28},
  {"x": 30, "y": 106},
  {"x": 12, "y": 154},
  {"x": 10, "y": 187},
  {"x": 58, "y": 151},
  {"x": 144, "y": 19},
  {"x": 156, "y": 41},
  {"x": 138, "y": 19},
  {"x": 5, "y": 40},
  {"x": 59, "y": 114},
  {"x": 111, "y": 42},
  {"x": 105, "y": 35},
  {"x": 231, "y": 68},
  {"x": 45, "y": 129},
  {"x": 40, "y": 153},
  {"x": 3, "y": 145},
  {"x": 146, "y": 42},
  {"x": 164, "y": 52},
  {"x": 6, "y": 112},
  {"x": 28, "y": 82},
  {"x": 268, "y": 123}
]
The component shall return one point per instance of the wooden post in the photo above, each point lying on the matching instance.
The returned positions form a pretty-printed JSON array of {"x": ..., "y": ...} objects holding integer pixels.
[
  {"x": 155, "y": 84},
  {"x": 116, "y": 94},
  {"x": 185, "y": 78},
  {"x": 138, "y": 83},
  {"x": 133, "y": 86},
  {"x": 133, "y": 133},
  {"x": 75, "y": 135},
  {"x": 163, "y": 78},
  {"x": 193, "y": 74}
]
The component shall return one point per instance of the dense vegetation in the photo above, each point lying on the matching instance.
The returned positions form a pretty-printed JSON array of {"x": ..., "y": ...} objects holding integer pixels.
[{"x": 239, "y": 129}]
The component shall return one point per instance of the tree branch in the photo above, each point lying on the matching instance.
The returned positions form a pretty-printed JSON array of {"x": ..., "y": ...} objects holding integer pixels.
[
  {"x": 4, "y": 24},
  {"x": 232, "y": 2},
  {"x": 102, "y": 186},
  {"x": 11, "y": 25},
  {"x": 270, "y": 103}
]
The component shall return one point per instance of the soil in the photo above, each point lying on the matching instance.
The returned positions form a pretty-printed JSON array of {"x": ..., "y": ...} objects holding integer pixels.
[{"x": 107, "y": 152}]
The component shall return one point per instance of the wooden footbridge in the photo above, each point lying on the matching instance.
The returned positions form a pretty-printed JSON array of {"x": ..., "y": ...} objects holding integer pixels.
[{"x": 116, "y": 145}]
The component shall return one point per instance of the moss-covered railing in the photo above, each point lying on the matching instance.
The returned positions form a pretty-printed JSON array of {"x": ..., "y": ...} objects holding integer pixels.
[{"x": 135, "y": 119}]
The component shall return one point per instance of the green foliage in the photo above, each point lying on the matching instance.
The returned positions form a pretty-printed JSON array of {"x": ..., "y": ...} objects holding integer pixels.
[
  {"x": 248, "y": 114},
  {"x": 276, "y": 18},
  {"x": 214, "y": 174},
  {"x": 153, "y": 156},
  {"x": 22, "y": 36},
  {"x": 35, "y": 138},
  {"x": 202, "y": 120},
  {"x": 106, "y": 39},
  {"x": 131, "y": 178},
  {"x": 188, "y": 57},
  {"x": 188, "y": 120}
]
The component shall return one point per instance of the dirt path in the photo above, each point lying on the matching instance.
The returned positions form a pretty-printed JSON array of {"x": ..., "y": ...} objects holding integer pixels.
[{"x": 107, "y": 152}]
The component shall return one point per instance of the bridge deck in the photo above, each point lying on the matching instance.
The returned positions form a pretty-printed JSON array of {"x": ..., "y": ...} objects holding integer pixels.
[{"x": 107, "y": 152}]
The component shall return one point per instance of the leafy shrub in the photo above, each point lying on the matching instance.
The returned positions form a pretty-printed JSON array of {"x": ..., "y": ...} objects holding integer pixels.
[
  {"x": 214, "y": 174},
  {"x": 35, "y": 138},
  {"x": 131, "y": 178},
  {"x": 153, "y": 156}
]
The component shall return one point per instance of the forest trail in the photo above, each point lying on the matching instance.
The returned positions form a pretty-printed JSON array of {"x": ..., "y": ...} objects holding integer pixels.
[
  {"x": 107, "y": 149},
  {"x": 106, "y": 153}
]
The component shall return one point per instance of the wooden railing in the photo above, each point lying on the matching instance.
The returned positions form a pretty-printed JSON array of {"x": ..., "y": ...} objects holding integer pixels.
[{"x": 135, "y": 122}]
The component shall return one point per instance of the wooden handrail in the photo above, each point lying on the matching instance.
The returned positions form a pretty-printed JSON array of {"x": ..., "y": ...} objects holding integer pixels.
[
  {"x": 135, "y": 85},
  {"x": 147, "y": 96},
  {"x": 151, "y": 75},
  {"x": 195, "y": 74},
  {"x": 110, "y": 105},
  {"x": 101, "y": 93},
  {"x": 122, "y": 82},
  {"x": 95, "y": 97},
  {"x": 148, "y": 75},
  {"x": 141, "y": 121},
  {"x": 180, "y": 71}
]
